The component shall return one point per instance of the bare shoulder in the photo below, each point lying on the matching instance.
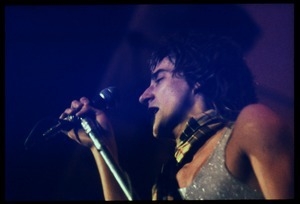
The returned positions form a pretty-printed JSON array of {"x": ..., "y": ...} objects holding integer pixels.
[
  {"x": 260, "y": 114},
  {"x": 258, "y": 127}
]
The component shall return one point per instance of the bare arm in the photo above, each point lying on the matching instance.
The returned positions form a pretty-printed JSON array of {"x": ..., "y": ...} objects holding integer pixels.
[
  {"x": 270, "y": 148},
  {"x": 82, "y": 108},
  {"x": 110, "y": 186}
]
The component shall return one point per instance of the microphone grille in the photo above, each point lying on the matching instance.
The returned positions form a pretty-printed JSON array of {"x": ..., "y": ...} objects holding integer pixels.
[{"x": 111, "y": 96}]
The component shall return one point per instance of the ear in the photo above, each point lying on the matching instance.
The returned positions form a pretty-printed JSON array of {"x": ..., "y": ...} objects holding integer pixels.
[{"x": 197, "y": 87}]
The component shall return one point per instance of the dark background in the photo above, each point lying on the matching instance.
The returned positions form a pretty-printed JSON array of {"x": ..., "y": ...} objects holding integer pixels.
[{"x": 57, "y": 53}]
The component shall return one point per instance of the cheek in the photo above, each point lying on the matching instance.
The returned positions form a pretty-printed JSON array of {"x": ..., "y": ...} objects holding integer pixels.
[
  {"x": 175, "y": 100},
  {"x": 173, "y": 94}
]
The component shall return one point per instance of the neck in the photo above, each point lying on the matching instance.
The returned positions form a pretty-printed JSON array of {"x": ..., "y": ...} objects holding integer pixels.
[
  {"x": 196, "y": 133},
  {"x": 179, "y": 129},
  {"x": 196, "y": 112}
]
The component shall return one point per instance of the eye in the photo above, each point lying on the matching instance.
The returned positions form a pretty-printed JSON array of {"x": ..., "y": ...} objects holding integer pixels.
[{"x": 158, "y": 80}]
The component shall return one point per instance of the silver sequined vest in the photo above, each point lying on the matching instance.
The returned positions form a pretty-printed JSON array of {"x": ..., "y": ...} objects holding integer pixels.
[{"x": 214, "y": 182}]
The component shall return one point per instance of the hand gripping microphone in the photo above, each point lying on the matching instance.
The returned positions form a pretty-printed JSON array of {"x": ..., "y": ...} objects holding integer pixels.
[{"x": 106, "y": 99}]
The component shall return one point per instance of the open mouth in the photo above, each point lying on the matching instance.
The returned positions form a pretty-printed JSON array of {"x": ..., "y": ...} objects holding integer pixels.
[{"x": 153, "y": 110}]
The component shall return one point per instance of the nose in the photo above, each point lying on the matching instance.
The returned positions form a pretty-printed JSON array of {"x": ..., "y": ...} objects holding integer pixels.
[{"x": 146, "y": 96}]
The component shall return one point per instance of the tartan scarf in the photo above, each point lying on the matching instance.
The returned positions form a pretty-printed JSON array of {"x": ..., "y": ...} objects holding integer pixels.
[{"x": 196, "y": 133}]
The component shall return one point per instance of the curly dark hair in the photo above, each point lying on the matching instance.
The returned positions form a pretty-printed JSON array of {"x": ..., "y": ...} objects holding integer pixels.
[{"x": 217, "y": 63}]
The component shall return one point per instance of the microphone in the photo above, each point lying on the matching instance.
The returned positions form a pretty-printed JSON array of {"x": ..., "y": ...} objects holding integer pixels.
[{"x": 107, "y": 98}]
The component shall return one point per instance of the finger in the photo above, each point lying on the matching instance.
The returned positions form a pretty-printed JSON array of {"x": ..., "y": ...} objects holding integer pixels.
[
  {"x": 67, "y": 112},
  {"x": 73, "y": 135},
  {"x": 75, "y": 105},
  {"x": 84, "y": 101},
  {"x": 86, "y": 107}
]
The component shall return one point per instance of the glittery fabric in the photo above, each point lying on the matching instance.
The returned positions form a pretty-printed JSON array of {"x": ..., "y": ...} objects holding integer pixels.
[
  {"x": 214, "y": 182},
  {"x": 196, "y": 132}
]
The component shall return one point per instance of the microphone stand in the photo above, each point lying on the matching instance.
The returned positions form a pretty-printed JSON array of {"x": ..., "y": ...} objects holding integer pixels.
[{"x": 92, "y": 130}]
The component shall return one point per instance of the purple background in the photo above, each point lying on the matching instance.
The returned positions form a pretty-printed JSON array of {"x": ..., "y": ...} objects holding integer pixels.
[{"x": 54, "y": 54}]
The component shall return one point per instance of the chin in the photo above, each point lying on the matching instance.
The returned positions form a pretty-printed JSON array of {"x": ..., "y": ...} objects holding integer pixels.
[
  {"x": 161, "y": 130},
  {"x": 154, "y": 132},
  {"x": 161, "y": 134}
]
